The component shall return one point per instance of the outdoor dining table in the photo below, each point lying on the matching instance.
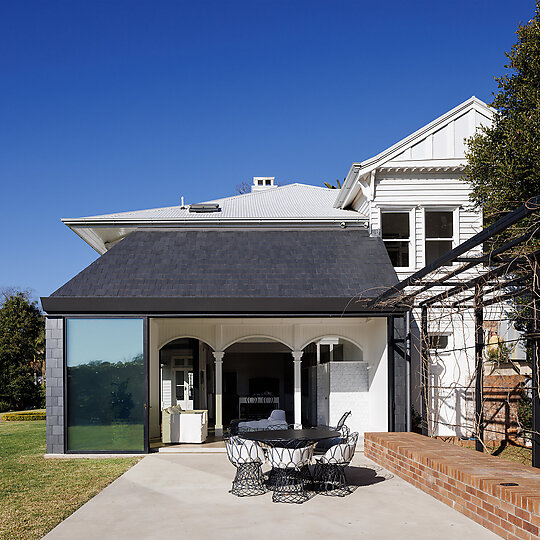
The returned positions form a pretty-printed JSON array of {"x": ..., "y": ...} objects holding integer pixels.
[
  {"x": 274, "y": 437},
  {"x": 287, "y": 478}
]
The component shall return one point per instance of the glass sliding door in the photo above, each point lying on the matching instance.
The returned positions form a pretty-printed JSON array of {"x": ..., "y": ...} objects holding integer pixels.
[{"x": 106, "y": 385}]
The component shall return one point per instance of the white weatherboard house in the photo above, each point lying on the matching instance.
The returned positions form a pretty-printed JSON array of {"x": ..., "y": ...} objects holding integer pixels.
[{"x": 257, "y": 301}]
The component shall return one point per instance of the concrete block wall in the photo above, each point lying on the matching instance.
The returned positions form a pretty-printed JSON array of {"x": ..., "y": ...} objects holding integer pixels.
[
  {"x": 54, "y": 384},
  {"x": 349, "y": 391}
]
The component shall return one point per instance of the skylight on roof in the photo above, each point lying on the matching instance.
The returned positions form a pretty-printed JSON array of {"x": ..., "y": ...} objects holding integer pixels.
[{"x": 204, "y": 207}]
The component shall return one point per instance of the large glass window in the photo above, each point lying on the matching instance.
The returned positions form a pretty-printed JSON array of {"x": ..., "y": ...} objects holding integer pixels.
[
  {"x": 105, "y": 385},
  {"x": 396, "y": 235},
  {"x": 439, "y": 234}
]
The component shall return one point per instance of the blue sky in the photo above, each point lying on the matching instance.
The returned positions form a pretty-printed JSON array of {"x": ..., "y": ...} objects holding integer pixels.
[{"x": 110, "y": 106}]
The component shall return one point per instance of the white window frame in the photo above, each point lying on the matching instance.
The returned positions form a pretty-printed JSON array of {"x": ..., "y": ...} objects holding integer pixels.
[
  {"x": 455, "y": 226},
  {"x": 412, "y": 232}
]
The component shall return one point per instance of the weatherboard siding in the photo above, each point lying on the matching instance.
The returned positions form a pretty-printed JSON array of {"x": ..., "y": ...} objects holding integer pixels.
[{"x": 416, "y": 192}]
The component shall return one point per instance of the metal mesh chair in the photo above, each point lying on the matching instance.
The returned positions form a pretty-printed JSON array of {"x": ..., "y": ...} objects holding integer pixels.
[
  {"x": 290, "y": 470},
  {"x": 324, "y": 445},
  {"x": 247, "y": 457},
  {"x": 330, "y": 476}
]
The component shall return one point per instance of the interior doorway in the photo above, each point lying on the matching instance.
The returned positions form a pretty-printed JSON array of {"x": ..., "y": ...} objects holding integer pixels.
[{"x": 183, "y": 387}]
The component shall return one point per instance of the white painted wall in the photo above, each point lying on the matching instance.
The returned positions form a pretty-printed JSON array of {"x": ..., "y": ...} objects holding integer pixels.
[
  {"x": 417, "y": 192},
  {"x": 369, "y": 334}
]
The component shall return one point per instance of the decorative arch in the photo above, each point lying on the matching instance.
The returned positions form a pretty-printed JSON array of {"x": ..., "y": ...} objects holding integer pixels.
[
  {"x": 350, "y": 340},
  {"x": 273, "y": 338},
  {"x": 184, "y": 336}
]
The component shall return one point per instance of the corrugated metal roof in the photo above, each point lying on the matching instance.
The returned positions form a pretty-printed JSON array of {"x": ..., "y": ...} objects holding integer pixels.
[{"x": 292, "y": 201}]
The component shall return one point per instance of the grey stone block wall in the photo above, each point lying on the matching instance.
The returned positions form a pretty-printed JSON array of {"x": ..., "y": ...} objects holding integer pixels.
[{"x": 54, "y": 389}]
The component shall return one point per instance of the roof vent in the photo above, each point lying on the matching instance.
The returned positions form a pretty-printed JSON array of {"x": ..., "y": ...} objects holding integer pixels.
[
  {"x": 204, "y": 207},
  {"x": 263, "y": 182}
]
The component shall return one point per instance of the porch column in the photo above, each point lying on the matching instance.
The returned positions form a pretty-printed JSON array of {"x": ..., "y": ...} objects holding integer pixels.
[
  {"x": 218, "y": 356},
  {"x": 297, "y": 359}
]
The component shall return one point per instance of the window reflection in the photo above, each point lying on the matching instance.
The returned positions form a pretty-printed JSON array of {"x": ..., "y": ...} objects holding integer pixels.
[{"x": 105, "y": 384}]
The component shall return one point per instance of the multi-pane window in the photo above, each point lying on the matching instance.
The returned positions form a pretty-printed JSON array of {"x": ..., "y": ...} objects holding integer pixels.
[
  {"x": 439, "y": 233},
  {"x": 396, "y": 235}
]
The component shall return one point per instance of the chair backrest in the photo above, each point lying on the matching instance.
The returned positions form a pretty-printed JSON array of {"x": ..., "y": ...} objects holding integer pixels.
[
  {"x": 341, "y": 421},
  {"x": 292, "y": 456},
  {"x": 241, "y": 451},
  {"x": 341, "y": 454},
  {"x": 277, "y": 414}
]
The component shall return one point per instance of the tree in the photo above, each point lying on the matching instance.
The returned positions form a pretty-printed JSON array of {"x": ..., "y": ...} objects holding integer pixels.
[
  {"x": 21, "y": 350},
  {"x": 331, "y": 186},
  {"x": 244, "y": 187},
  {"x": 504, "y": 159}
]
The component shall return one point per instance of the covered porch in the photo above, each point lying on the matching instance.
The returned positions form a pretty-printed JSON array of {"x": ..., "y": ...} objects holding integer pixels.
[{"x": 312, "y": 368}]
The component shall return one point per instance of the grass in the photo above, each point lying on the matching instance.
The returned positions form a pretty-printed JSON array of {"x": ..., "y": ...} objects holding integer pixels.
[
  {"x": 36, "y": 493},
  {"x": 511, "y": 452}
]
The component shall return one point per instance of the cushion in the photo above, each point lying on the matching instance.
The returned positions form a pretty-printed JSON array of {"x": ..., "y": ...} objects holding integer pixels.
[{"x": 277, "y": 414}]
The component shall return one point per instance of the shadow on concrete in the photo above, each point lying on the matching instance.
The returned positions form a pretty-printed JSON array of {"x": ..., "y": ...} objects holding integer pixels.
[{"x": 365, "y": 476}]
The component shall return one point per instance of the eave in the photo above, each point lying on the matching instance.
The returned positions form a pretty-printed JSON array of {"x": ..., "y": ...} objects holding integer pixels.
[{"x": 88, "y": 228}]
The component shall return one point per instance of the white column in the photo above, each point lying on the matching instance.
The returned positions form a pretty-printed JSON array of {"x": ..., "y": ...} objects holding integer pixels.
[
  {"x": 218, "y": 355},
  {"x": 297, "y": 359}
]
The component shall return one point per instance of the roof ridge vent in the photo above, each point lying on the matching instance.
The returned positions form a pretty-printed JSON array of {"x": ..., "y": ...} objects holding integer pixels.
[{"x": 263, "y": 182}]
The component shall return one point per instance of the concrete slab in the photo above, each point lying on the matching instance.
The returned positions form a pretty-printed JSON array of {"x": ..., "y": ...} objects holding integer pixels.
[{"x": 173, "y": 495}]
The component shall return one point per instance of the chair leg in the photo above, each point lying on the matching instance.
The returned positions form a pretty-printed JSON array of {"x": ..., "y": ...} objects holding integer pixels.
[
  {"x": 289, "y": 486},
  {"x": 248, "y": 481},
  {"x": 331, "y": 480}
]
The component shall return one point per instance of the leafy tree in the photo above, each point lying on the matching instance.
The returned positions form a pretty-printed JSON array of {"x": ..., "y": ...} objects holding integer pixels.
[
  {"x": 504, "y": 159},
  {"x": 21, "y": 350}
]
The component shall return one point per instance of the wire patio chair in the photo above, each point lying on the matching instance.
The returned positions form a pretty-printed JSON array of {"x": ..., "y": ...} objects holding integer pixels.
[
  {"x": 329, "y": 472},
  {"x": 290, "y": 470},
  {"x": 248, "y": 457},
  {"x": 322, "y": 446}
]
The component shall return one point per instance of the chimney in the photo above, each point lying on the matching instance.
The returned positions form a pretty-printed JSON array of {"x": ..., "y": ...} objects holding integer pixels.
[{"x": 263, "y": 182}]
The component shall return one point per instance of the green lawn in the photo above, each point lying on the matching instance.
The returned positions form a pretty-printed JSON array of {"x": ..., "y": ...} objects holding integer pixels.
[
  {"x": 36, "y": 493},
  {"x": 511, "y": 452}
]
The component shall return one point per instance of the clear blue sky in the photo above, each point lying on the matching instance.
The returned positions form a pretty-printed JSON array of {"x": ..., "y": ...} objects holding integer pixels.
[{"x": 110, "y": 106}]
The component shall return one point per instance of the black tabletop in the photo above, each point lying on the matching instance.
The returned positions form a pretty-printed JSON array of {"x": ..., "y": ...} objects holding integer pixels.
[{"x": 312, "y": 434}]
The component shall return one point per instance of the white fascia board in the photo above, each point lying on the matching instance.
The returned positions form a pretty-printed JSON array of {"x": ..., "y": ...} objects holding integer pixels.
[
  {"x": 358, "y": 218},
  {"x": 88, "y": 230},
  {"x": 349, "y": 189}
]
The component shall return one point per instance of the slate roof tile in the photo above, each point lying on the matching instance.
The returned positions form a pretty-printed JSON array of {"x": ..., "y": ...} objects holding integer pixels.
[{"x": 249, "y": 263}]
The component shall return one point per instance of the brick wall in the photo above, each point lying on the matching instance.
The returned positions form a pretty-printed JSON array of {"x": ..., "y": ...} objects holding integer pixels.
[
  {"x": 501, "y": 397},
  {"x": 54, "y": 384},
  {"x": 465, "y": 480}
]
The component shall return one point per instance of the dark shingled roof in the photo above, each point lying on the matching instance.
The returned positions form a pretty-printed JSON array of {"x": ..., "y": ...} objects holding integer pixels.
[{"x": 312, "y": 264}]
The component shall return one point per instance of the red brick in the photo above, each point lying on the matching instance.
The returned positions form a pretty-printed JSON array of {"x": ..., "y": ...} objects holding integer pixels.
[{"x": 533, "y": 529}]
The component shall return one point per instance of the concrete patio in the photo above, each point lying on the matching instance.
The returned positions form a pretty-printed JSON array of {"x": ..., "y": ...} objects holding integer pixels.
[{"x": 168, "y": 495}]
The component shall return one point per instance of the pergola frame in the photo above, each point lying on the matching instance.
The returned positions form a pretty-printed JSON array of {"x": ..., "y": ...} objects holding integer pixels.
[{"x": 415, "y": 291}]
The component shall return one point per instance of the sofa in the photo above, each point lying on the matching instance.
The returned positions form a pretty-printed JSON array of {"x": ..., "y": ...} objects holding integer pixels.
[{"x": 276, "y": 420}]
